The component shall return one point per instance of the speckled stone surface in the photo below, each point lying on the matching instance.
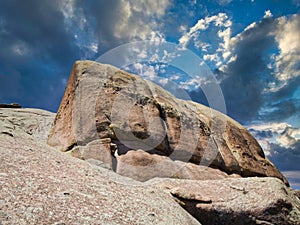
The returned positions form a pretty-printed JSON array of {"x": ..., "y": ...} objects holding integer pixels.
[{"x": 40, "y": 185}]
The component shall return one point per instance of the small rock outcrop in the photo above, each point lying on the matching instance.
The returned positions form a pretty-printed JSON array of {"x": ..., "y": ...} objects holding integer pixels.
[
  {"x": 34, "y": 122},
  {"x": 123, "y": 113},
  {"x": 12, "y": 105}
]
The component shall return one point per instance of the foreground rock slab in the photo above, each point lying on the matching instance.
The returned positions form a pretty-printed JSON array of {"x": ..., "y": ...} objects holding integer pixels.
[
  {"x": 234, "y": 201},
  {"x": 40, "y": 185}
]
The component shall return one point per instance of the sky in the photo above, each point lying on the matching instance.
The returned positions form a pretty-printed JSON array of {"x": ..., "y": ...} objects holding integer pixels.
[{"x": 251, "y": 47}]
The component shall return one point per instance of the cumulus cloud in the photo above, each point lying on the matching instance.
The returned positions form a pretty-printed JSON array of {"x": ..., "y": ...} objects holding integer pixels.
[
  {"x": 268, "y": 14},
  {"x": 280, "y": 142},
  {"x": 287, "y": 63},
  {"x": 259, "y": 68},
  {"x": 220, "y": 20},
  {"x": 244, "y": 68},
  {"x": 282, "y": 92},
  {"x": 282, "y": 134},
  {"x": 121, "y": 21}
]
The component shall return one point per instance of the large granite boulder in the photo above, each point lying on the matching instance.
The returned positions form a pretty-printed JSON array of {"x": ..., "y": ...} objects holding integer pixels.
[{"x": 102, "y": 102}]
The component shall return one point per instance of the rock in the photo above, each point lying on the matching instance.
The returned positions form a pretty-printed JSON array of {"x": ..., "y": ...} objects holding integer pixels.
[
  {"x": 40, "y": 185},
  {"x": 234, "y": 201},
  {"x": 98, "y": 163},
  {"x": 102, "y": 101},
  {"x": 13, "y": 105},
  {"x": 297, "y": 193},
  {"x": 97, "y": 149},
  {"x": 34, "y": 122},
  {"x": 143, "y": 166}
]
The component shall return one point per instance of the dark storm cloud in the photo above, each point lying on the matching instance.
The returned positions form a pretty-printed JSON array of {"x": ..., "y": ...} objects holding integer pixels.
[
  {"x": 36, "y": 52},
  {"x": 284, "y": 103},
  {"x": 288, "y": 160},
  {"x": 40, "y": 40},
  {"x": 105, "y": 18},
  {"x": 261, "y": 133},
  {"x": 282, "y": 110},
  {"x": 37, "y": 27},
  {"x": 285, "y": 158},
  {"x": 244, "y": 84},
  {"x": 118, "y": 22}
]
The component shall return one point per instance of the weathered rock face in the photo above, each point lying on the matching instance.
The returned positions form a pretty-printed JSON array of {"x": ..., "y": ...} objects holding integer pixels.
[
  {"x": 244, "y": 201},
  {"x": 34, "y": 122},
  {"x": 104, "y": 102},
  {"x": 143, "y": 166}
]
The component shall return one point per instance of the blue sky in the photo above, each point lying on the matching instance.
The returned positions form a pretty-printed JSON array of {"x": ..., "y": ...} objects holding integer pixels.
[{"x": 252, "y": 48}]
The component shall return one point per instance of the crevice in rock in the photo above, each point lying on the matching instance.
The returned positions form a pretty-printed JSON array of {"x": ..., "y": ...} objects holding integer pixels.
[
  {"x": 7, "y": 133},
  {"x": 70, "y": 147},
  {"x": 209, "y": 216}
]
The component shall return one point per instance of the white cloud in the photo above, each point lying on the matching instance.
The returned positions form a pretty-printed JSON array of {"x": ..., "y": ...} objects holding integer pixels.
[
  {"x": 148, "y": 72},
  {"x": 287, "y": 62},
  {"x": 285, "y": 31},
  {"x": 224, "y": 2},
  {"x": 135, "y": 21},
  {"x": 220, "y": 20},
  {"x": 20, "y": 48},
  {"x": 77, "y": 24},
  {"x": 225, "y": 45},
  {"x": 109, "y": 24},
  {"x": 282, "y": 134},
  {"x": 194, "y": 83},
  {"x": 182, "y": 28},
  {"x": 273, "y": 127},
  {"x": 216, "y": 47},
  {"x": 67, "y": 7},
  {"x": 268, "y": 14},
  {"x": 150, "y": 7},
  {"x": 212, "y": 57}
]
